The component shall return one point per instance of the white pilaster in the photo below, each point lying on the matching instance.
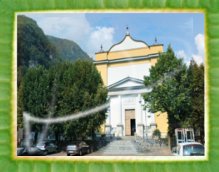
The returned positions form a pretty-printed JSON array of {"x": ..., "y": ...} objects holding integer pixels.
[
  {"x": 108, "y": 127},
  {"x": 140, "y": 130},
  {"x": 108, "y": 117},
  {"x": 120, "y": 104},
  {"x": 120, "y": 124},
  {"x": 140, "y": 102}
]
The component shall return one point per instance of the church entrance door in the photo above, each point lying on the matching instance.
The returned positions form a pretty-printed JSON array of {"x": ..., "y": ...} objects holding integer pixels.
[{"x": 130, "y": 122}]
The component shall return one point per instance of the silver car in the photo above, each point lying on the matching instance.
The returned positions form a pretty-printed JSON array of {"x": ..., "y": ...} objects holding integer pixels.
[
  {"x": 47, "y": 147},
  {"x": 77, "y": 148}
]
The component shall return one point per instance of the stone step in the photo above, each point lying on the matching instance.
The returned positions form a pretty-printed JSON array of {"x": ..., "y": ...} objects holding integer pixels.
[{"x": 117, "y": 147}]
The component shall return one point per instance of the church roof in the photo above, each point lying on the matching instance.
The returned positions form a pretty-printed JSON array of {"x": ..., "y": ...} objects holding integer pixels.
[
  {"x": 128, "y": 43},
  {"x": 127, "y": 50},
  {"x": 128, "y": 85},
  {"x": 121, "y": 83}
]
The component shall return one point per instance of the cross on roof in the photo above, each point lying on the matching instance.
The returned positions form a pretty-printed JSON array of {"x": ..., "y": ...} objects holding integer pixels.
[{"x": 127, "y": 30}]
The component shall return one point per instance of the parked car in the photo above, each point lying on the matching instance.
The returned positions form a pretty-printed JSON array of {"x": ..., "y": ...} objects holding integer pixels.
[
  {"x": 47, "y": 147},
  {"x": 189, "y": 149},
  {"x": 32, "y": 151},
  {"x": 78, "y": 148},
  {"x": 21, "y": 151}
]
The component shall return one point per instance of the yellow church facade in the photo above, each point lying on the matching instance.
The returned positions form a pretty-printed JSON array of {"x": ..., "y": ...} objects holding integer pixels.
[{"x": 122, "y": 69}]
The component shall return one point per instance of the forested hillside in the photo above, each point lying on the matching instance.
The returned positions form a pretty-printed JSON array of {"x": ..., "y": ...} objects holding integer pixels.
[
  {"x": 33, "y": 47},
  {"x": 67, "y": 49}
]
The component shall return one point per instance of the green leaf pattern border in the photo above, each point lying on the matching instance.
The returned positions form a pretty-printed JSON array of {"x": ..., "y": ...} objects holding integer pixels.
[{"x": 8, "y": 160}]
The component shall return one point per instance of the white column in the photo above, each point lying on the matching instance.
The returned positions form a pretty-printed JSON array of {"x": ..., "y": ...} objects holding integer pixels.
[
  {"x": 140, "y": 109},
  {"x": 120, "y": 124},
  {"x": 108, "y": 126},
  {"x": 140, "y": 124},
  {"x": 108, "y": 117},
  {"x": 120, "y": 104}
]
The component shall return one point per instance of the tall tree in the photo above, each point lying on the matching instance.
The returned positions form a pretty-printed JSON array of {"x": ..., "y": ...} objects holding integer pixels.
[
  {"x": 196, "y": 115},
  {"x": 36, "y": 94},
  {"x": 170, "y": 93},
  {"x": 80, "y": 88},
  {"x": 63, "y": 89}
]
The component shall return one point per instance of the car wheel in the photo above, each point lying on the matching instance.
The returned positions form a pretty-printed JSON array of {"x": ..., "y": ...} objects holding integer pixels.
[
  {"x": 45, "y": 153},
  {"x": 91, "y": 149},
  {"x": 80, "y": 153},
  {"x": 88, "y": 151},
  {"x": 68, "y": 154}
]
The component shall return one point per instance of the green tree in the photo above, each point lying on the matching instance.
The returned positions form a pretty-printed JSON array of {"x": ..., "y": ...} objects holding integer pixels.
[
  {"x": 170, "y": 89},
  {"x": 63, "y": 89},
  {"x": 80, "y": 88},
  {"x": 36, "y": 94},
  {"x": 196, "y": 115},
  {"x": 20, "y": 107},
  {"x": 156, "y": 133}
]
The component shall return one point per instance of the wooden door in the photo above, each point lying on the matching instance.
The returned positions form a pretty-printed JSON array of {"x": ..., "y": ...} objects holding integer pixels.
[{"x": 129, "y": 115}]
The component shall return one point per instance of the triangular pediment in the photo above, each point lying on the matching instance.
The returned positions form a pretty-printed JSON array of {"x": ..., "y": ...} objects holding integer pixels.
[{"x": 127, "y": 82}]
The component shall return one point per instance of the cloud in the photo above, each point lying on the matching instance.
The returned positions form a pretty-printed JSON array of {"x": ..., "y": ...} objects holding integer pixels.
[
  {"x": 76, "y": 27},
  {"x": 64, "y": 25},
  {"x": 198, "y": 59},
  {"x": 100, "y": 36},
  {"x": 200, "y": 47},
  {"x": 181, "y": 54}
]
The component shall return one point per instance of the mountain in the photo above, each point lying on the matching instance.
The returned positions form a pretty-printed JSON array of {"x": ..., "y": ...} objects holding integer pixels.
[
  {"x": 67, "y": 49},
  {"x": 36, "y": 48},
  {"x": 33, "y": 47}
]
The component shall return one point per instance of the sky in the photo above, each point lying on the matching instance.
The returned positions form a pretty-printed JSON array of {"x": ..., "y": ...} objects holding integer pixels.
[{"x": 183, "y": 31}]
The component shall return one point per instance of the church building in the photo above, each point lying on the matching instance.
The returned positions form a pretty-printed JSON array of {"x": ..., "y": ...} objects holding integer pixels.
[{"x": 122, "y": 69}]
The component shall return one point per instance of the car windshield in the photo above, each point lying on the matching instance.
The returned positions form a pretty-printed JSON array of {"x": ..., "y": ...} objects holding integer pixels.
[{"x": 193, "y": 149}]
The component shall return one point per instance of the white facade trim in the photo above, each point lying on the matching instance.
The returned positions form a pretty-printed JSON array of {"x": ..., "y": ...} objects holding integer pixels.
[
  {"x": 128, "y": 43},
  {"x": 125, "y": 81},
  {"x": 129, "y": 92},
  {"x": 129, "y": 84},
  {"x": 127, "y": 59}
]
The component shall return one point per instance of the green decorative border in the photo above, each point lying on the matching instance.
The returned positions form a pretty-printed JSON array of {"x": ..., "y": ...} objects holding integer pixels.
[{"x": 7, "y": 91}]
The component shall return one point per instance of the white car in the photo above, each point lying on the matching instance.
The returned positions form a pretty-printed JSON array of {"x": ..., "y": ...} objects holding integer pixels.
[{"x": 189, "y": 149}]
